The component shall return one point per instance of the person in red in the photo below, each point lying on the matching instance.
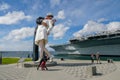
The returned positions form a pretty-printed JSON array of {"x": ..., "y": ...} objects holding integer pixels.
[{"x": 42, "y": 63}]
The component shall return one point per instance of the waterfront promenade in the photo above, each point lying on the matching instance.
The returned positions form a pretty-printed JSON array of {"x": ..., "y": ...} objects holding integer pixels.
[{"x": 65, "y": 70}]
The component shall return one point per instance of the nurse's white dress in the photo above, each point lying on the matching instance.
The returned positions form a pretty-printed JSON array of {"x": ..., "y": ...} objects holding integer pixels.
[{"x": 42, "y": 30}]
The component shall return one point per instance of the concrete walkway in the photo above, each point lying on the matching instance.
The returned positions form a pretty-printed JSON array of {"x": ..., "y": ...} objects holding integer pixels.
[
  {"x": 65, "y": 70},
  {"x": 115, "y": 75},
  {"x": 12, "y": 72}
]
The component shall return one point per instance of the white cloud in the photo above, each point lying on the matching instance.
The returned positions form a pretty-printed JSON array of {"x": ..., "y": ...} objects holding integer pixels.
[
  {"x": 101, "y": 20},
  {"x": 90, "y": 27},
  {"x": 4, "y": 6},
  {"x": 59, "y": 31},
  {"x": 61, "y": 15},
  {"x": 18, "y": 34},
  {"x": 13, "y": 17},
  {"x": 54, "y": 3},
  {"x": 113, "y": 26},
  {"x": 93, "y": 27}
]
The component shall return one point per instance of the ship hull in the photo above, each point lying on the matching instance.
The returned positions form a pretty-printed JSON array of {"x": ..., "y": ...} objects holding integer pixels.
[
  {"x": 109, "y": 47},
  {"x": 103, "y": 50}
]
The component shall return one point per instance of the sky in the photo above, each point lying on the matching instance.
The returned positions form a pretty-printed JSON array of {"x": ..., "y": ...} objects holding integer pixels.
[{"x": 75, "y": 18}]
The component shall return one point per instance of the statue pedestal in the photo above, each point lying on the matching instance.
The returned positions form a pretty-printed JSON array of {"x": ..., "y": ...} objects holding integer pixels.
[
  {"x": 34, "y": 64},
  {"x": 53, "y": 63}
]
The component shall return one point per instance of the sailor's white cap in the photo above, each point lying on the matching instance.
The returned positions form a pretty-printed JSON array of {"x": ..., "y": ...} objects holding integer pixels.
[{"x": 49, "y": 14}]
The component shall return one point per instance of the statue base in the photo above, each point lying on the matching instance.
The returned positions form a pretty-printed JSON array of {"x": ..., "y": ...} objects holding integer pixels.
[{"x": 34, "y": 64}]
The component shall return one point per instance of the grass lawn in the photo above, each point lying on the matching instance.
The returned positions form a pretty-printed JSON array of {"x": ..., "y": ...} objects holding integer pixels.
[{"x": 13, "y": 60}]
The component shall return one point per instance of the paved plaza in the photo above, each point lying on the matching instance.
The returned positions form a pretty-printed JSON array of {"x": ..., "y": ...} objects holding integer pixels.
[{"x": 65, "y": 70}]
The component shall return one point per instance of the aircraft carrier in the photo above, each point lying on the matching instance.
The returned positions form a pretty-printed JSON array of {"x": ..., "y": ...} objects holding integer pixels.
[{"x": 106, "y": 43}]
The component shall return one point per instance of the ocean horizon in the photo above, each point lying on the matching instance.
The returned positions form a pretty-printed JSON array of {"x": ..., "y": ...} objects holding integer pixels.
[{"x": 24, "y": 54}]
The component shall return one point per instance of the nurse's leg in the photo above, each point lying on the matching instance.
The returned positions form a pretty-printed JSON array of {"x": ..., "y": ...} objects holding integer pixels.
[{"x": 42, "y": 46}]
